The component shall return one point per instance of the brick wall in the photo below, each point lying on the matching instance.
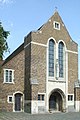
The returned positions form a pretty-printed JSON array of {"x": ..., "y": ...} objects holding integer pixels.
[
  {"x": 72, "y": 71},
  {"x": 17, "y": 64}
]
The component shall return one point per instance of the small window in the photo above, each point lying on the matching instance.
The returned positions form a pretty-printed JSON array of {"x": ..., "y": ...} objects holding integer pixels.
[
  {"x": 41, "y": 97},
  {"x": 70, "y": 97},
  {"x": 8, "y": 75},
  {"x": 57, "y": 25},
  {"x": 10, "y": 99},
  {"x": 38, "y": 97}
]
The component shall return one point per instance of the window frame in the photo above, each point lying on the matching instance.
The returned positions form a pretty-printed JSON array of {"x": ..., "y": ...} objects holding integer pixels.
[
  {"x": 38, "y": 97},
  {"x": 51, "y": 58},
  {"x": 70, "y": 97},
  {"x": 41, "y": 97},
  {"x": 8, "y": 100},
  {"x": 61, "y": 59},
  {"x": 56, "y": 23},
  {"x": 12, "y": 76}
]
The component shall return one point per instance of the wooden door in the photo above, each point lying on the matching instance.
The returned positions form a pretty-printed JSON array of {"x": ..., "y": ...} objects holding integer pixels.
[{"x": 18, "y": 102}]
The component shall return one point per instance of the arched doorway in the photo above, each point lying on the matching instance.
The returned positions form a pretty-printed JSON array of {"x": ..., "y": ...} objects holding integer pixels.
[
  {"x": 56, "y": 100},
  {"x": 18, "y": 106}
]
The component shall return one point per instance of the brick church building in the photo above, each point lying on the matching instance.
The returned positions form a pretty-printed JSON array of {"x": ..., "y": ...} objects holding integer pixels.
[{"x": 39, "y": 76}]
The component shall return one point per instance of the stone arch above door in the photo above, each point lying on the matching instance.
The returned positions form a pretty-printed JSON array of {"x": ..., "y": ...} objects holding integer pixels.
[{"x": 57, "y": 100}]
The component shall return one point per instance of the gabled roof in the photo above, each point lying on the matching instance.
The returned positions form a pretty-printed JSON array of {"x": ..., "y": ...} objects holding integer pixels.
[
  {"x": 21, "y": 47},
  {"x": 57, "y": 18}
]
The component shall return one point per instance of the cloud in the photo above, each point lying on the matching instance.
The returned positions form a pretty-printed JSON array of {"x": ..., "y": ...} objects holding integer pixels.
[
  {"x": 6, "y": 1},
  {"x": 11, "y": 24}
]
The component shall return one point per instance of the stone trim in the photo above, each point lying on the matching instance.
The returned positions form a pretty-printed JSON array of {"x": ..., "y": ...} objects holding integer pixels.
[
  {"x": 35, "y": 43},
  {"x": 38, "y": 44},
  {"x": 8, "y": 76},
  {"x": 27, "y": 45},
  {"x": 69, "y": 51},
  {"x": 57, "y": 28},
  {"x": 8, "y": 98}
]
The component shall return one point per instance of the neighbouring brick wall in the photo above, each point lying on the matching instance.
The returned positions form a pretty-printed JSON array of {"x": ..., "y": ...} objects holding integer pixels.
[
  {"x": 77, "y": 93},
  {"x": 17, "y": 64},
  {"x": 72, "y": 71}
]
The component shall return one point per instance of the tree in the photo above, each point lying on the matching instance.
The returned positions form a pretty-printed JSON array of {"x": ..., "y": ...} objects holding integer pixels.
[{"x": 3, "y": 43}]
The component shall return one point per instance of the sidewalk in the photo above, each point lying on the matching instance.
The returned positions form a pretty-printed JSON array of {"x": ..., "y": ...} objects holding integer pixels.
[{"x": 25, "y": 116}]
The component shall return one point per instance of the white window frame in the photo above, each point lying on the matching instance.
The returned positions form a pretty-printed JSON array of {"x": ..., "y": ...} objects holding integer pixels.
[
  {"x": 72, "y": 97},
  {"x": 57, "y": 28},
  {"x": 5, "y": 76},
  {"x": 41, "y": 94},
  {"x": 70, "y": 102},
  {"x": 9, "y": 97}
]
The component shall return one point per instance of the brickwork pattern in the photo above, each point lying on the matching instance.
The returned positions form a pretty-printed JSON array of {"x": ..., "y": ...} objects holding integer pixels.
[
  {"x": 72, "y": 71},
  {"x": 31, "y": 64},
  {"x": 17, "y": 64},
  {"x": 77, "y": 94},
  {"x": 39, "y": 52}
]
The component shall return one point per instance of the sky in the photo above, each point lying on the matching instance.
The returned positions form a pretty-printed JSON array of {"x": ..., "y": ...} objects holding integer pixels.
[{"x": 22, "y": 16}]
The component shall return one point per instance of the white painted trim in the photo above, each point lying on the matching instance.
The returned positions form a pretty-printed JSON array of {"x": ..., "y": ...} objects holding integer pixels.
[
  {"x": 73, "y": 97},
  {"x": 46, "y": 100},
  {"x": 8, "y": 98},
  {"x": 18, "y": 92},
  {"x": 35, "y": 43},
  {"x": 77, "y": 106},
  {"x": 66, "y": 77},
  {"x": 5, "y": 76},
  {"x": 56, "y": 63},
  {"x": 34, "y": 107},
  {"x": 63, "y": 43},
  {"x": 27, "y": 45},
  {"x": 50, "y": 39},
  {"x": 41, "y": 93},
  {"x": 71, "y": 102},
  {"x": 51, "y": 78},
  {"x": 58, "y": 24},
  {"x": 44, "y": 45},
  {"x": 56, "y": 50},
  {"x": 69, "y": 51}
]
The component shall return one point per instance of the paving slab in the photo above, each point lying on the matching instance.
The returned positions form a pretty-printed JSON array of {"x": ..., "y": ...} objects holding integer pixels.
[{"x": 25, "y": 116}]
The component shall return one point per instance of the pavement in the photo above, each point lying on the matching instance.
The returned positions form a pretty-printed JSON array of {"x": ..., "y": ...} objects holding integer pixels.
[{"x": 25, "y": 116}]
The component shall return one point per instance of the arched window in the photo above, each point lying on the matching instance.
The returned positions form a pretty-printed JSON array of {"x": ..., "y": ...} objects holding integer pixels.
[
  {"x": 51, "y": 58},
  {"x": 61, "y": 59}
]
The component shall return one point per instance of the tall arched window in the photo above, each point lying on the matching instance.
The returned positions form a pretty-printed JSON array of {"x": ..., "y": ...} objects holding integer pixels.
[
  {"x": 61, "y": 59},
  {"x": 51, "y": 58}
]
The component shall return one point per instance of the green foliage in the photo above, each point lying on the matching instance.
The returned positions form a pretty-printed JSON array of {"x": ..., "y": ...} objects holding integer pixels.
[{"x": 3, "y": 43}]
